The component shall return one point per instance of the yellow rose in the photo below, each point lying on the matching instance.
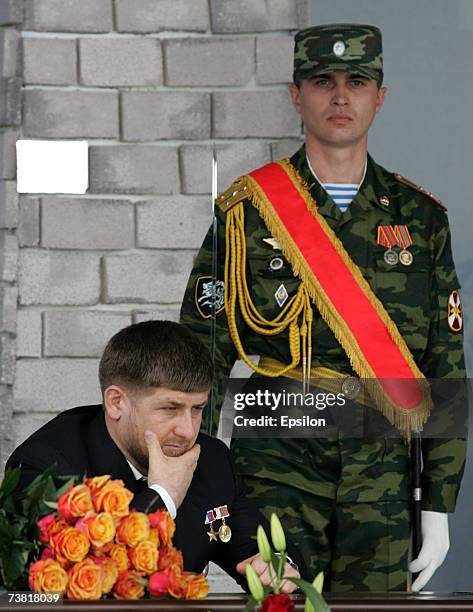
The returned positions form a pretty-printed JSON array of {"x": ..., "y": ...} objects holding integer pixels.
[
  {"x": 85, "y": 581},
  {"x": 133, "y": 529},
  {"x": 75, "y": 502},
  {"x": 70, "y": 545},
  {"x": 144, "y": 557},
  {"x": 47, "y": 577},
  {"x": 113, "y": 498},
  {"x": 129, "y": 585},
  {"x": 99, "y": 528},
  {"x": 119, "y": 554}
]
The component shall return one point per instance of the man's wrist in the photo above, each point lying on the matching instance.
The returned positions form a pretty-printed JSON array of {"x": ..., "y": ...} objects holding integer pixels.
[{"x": 167, "y": 499}]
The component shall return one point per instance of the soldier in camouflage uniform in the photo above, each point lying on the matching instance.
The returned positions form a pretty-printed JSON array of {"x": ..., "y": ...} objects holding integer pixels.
[{"x": 345, "y": 502}]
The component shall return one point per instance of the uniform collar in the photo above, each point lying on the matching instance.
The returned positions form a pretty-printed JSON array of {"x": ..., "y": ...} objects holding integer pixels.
[{"x": 375, "y": 189}]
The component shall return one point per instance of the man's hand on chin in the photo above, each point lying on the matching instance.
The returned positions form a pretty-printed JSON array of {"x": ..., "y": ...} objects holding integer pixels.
[
  {"x": 261, "y": 568},
  {"x": 173, "y": 473}
]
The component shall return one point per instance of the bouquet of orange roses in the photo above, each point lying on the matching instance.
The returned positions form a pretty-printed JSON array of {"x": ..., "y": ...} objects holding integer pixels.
[{"x": 94, "y": 546}]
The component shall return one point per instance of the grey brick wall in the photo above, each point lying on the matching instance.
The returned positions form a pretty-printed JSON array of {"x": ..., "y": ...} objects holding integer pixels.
[{"x": 154, "y": 86}]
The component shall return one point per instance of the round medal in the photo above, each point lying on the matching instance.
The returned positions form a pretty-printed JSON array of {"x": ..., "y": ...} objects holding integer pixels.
[
  {"x": 275, "y": 264},
  {"x": 224, "y": 533},
  {"x": 406, "y": 257},
  {"x": 391, "y": 257},
  {"x": 351, "y": 387}
]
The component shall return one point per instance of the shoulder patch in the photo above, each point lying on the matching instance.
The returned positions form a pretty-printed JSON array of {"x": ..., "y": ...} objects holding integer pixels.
[
  {"x": 412, "y": 185},
  {"x": 237, "y": 192}
]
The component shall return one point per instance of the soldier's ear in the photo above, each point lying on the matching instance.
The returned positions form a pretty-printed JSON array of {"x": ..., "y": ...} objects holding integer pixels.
[
  {"x": 382, "y": 91},
  {"x": 114, "y": 400},
  {"x": 295, "y": 94}
]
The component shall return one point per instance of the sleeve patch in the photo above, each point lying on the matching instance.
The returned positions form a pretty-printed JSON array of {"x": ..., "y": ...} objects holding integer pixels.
[
  {"x": 207, "y": 293},
  {"x": 455, "y": 312}
]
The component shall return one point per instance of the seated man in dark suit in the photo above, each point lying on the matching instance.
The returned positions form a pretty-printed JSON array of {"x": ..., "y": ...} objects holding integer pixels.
[{"x": 155, "y": 379}]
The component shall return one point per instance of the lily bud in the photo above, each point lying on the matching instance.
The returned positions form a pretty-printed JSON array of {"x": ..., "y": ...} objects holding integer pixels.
[
  {"x": 254, "y": 583},
  {"x": 277, "y": 534},
  {"x": 263, "y": 544}
]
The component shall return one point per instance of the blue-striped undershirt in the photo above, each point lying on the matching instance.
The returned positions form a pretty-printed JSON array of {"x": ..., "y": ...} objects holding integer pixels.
[{"x": 341, "y": 193}]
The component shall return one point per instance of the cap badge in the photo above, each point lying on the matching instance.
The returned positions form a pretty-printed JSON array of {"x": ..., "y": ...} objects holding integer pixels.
[{"x": 339, "y": 48}]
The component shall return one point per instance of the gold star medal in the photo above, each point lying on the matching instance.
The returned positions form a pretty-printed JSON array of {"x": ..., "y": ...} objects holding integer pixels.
[{"x": 209, "y": 519}]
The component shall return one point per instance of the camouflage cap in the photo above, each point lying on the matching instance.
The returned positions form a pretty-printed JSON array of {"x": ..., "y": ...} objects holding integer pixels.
[{"x": 348, "y": 47}]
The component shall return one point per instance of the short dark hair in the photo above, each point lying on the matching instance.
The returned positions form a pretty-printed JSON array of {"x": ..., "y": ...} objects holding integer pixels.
[{"x": 155, "y": 354}]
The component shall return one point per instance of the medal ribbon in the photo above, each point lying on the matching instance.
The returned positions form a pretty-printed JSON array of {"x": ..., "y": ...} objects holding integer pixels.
[
  {"x": 389, "y": 235},
  {"x": 358, "y": 319}
]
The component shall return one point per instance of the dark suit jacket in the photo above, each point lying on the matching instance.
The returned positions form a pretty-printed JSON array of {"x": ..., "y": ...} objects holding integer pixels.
[{"x": 78, "y": 442}]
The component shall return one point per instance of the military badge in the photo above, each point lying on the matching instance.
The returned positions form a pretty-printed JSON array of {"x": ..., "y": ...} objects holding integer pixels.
[
  {"x": 224, "y": 531},
  {"x": 339, "y": 48},
  {"x": 395, "y": 235},
  {"x": 209, "y": 296},
  {"x": 276, "y": 264},
  {"x": 209, "y": 519},
  {"x": 281, "y": 295},
  {"x": 272, "y": 242},
  {"x": 455, "y": 312}
]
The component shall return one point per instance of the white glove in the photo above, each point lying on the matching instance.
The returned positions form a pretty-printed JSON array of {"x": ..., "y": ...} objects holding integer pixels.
[{"x": 435, "y": 545}]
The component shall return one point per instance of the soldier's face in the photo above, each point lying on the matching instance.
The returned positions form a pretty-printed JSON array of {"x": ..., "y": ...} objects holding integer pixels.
[{"x": 338, "y": 108}]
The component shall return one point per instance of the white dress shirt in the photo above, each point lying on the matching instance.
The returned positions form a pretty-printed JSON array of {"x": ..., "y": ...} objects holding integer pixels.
[{"x": 161, "y": 491}]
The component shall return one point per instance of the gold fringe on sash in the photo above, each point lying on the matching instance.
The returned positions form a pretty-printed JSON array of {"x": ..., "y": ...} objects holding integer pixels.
[{"x": 406, "y": 421}]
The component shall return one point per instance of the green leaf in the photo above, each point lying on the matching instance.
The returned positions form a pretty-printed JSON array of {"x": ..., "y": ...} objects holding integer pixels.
[
  {"x": 251, "y": 605},
  {"x": 318, "y": 602},
  {"x": 10, "y": 482}
]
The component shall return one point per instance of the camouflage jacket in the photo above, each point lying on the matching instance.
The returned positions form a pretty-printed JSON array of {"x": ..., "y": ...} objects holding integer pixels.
[{"x": 415, "y": 297}]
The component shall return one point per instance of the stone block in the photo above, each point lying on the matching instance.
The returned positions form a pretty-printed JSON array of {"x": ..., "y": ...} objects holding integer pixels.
[
  {"x": 53, "y": 385},
  {"x": 209, "y": 62},
  {"x": 58, "y": 277},
  {"x": 7, "y": 359},
  {"x": 8, "y": 138},
  {"x": 28, "y": 222},
  {"x": 285, "y": 148},
  {"x": 246, "y": 114},
  {"x": 8, "y": 306},
  {"x": 274, "y": 59},
  {"x": 148, "y": 115},
  {"x": 69, "y": 15},
  {"x": 133, "y": 169},
  {"x": 80, "y": 333},
  {"x": 233, "y": 159},
  {"x": 257, "y": 15},
  {"x": 85, "y": 223},
  {"x": 9, "y": 45},
  {"x": 8, "y": 256},
  {"x": 11, "y": 12},
  {"x": 8, "y": 204},
  {"x": 70, "y": 114},
  {"x": 24, "y": 425},
  {"x": 28, "y": 333},
  {"x": 157, "y": 15},
  {"x": 10, "y": 106},
  {"x": 161, "y": 314},
  {"x": 178, "y": 222},
  {"x": 120, "y": 62},
  {"x": 49, "y": 61},
  {"x": 158, "y": 278}
]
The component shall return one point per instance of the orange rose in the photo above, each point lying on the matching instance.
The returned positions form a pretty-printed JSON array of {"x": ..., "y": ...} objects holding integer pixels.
[
  {"x": 101, "y": 551},
  {"x": 119, "y": 554},
  {"x": 170, "y": 557},
  {"x": 144, "y": 557},
  {"x": 97, "y": 482},
  {"x": 85, "y": 580},
  {"x": 109, "y": 572},
  {"x": 113, "y": 498},
  {"x": 161, "y": 519},
  {"x": 75, "y": 502},
  {"x": 133, "y": 529},
  {"x": 197, "y": 586},
  {"x": 47, "y": 577},
  {"x": 129, "y": 585},
  {"x": 177, "y": 583},
  {"x": 99, "y": 528},
  {"x": 154, "y": 536},
  {"x": 70, "y": 545}
]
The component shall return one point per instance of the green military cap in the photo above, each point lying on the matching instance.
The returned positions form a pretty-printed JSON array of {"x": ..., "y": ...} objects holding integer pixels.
[{"x": 343, "y": 47}]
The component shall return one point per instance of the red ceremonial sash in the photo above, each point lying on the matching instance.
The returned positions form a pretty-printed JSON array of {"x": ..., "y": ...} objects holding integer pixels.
[{"x": 374, "y": 345}]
